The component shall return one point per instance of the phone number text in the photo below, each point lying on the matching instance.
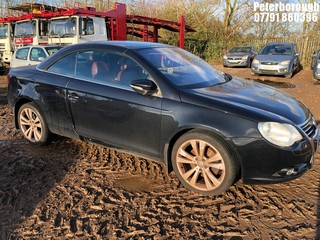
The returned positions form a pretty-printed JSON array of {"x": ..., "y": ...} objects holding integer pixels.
[{"x": 285, "y": 17}]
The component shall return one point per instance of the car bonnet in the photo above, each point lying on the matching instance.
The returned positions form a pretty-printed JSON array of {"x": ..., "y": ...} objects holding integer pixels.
[{"x": 249, "y": 99}]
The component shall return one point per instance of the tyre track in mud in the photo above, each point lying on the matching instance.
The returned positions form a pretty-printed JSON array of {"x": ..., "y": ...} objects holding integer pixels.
[{"x": 75, "y": 190}]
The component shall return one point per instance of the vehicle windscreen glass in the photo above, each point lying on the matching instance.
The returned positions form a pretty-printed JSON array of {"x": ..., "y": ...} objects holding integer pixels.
[
  {"x": 25, "y": 29},
  {"x": 276, "y": 50},
  {"x": 240, "y": 49},
  {"x": 52, "y": 50},
  {"x": 3, "y": 31},
  {"x": 62, "y": 27},
  {"x": 182, "y": 68}
]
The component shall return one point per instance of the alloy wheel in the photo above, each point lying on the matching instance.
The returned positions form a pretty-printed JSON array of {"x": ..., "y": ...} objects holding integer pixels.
[{"x": 200, "y": 165}]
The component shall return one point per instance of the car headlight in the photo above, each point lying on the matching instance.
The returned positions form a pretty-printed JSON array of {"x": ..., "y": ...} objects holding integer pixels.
[
  {"x": 280, "y": 134},
  {"x": 285, "y": 62},
  {"x": 255, "y": 61},
  {"x": 245, "y": 57},
  {"x": 225, "y": 57}
]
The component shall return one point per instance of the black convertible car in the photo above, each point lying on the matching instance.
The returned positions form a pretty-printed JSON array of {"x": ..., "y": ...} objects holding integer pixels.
[{"x": 163, "y": 103}]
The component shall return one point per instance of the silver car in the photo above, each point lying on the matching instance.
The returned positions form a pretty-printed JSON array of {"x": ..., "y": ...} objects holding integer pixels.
[
  {"x": 315, "y": 65},
  {"x": 32, "y": 54},
  {"x": 239, "y": 57},
  {"x": 277, "y": 59}
]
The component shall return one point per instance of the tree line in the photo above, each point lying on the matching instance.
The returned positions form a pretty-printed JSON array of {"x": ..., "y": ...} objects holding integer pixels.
[{"x": 220, "y": 25}]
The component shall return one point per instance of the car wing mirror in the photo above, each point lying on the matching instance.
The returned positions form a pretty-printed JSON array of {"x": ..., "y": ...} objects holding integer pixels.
[
  {"x": 41, "y": 59},
  {"x": 144, "y": 86}
]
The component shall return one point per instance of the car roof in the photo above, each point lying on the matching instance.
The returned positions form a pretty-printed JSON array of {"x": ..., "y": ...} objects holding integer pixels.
[
  {"x": 39, "y": 46},
  {"x": 120, "y": 46},
  {"x": 280, "y": 43}
]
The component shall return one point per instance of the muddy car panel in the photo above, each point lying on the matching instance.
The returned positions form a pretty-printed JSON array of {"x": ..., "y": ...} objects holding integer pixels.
[{"x": 148, "y": 116}]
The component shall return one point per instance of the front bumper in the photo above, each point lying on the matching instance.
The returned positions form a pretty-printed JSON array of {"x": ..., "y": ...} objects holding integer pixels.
[
  {"x": 235, "y": 62},
  {"x": 269, "y": 164},
  {"x": 271, "y": 69}
]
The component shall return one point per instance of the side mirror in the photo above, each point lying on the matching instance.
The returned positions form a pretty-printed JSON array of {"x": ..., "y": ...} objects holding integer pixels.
[
  {"x": 144, "y": 86},
  {"x": 41, "y": 59}
]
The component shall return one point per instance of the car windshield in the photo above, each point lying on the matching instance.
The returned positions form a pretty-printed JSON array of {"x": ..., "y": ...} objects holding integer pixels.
[
  {"x": 52, "y": 50},
  {"x": 4, "y": 31},
  {"x": 182, "y": 68},
  {"x": 25, "y": 29},
  {"x": 240, "y": 49},
  {"x": 276, "y": 50},
  {"x": 62, "y": 27}
]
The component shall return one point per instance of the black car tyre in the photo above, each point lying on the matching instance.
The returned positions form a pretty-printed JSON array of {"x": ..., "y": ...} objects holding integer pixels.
[
  {"x": 203, "y": 163},
  {"x": 32, "y": 124},
  {"x": 289, "y": 75}
]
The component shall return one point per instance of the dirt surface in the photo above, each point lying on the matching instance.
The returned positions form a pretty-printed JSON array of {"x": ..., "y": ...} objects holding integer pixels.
[{"x": 74, "y": 190}]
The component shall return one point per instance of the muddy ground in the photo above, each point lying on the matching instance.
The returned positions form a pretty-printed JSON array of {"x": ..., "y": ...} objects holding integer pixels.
[{"x": 74, "y": 190}]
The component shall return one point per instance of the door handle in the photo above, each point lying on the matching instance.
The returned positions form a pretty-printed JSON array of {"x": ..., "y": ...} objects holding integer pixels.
[{"x": 73, "y": 96}]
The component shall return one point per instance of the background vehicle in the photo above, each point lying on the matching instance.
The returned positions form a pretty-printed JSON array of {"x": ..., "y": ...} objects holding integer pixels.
[
  {"x": 6, "y": 40},
  {"x": 168, "y": 105},
  {"x": 277, "y": 59},
  {"x": 43, "y": 24},
  {"x": 241, "y": 56},
  {"x": 315, "y": 64},
  {"x": 32, "y": 55}
]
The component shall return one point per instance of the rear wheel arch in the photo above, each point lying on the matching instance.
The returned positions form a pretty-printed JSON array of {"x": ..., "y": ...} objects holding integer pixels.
[
  {"x": 37, "y": 122},
  {"x": 17, "y": 107}
]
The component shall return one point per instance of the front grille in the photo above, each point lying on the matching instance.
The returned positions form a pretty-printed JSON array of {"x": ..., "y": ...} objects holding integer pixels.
[
  {"x": 309, "y": 127},
  {"x": 268, "y": 71},
  {"x": 234, "y": 58},
  {"x": 269, "y": 63}
]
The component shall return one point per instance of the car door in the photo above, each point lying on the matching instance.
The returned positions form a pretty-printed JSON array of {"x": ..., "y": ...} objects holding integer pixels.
[
  {"x": 109, "y": 111},
  {"x": 51, "y": 86},
  {"x": 36, "y": 55},
  {"x": 20, "y": 57}
]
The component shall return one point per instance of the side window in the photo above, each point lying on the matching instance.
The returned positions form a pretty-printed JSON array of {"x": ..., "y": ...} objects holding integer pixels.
[
  {"x": 65, "y": 65},
  {"x": 37, "y": 54},
  {"x": 89, "y": 30},
  {"x": 22, "y": 53},
  {"x": 109, "y": 67},
  {"x": 127, "y": 70}
]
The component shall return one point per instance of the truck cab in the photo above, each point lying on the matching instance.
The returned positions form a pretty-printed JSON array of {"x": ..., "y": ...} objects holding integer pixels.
[
  {"x": 75, "y": 29},
  {"x": 6, "y": 44},
  {"x": 31, "y": 32}
]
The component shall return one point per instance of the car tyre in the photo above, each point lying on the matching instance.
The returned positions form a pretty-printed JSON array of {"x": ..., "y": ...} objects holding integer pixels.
[
  {"x": 203, "y": 163},
  {"x": 33, "y": 125},
  {"x": 289, "y": 75}
]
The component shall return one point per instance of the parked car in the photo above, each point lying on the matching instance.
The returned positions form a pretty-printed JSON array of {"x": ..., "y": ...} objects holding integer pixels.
[
  {"x": 239, "y": 57},
  {"x": 315, "y": 64},
  {"x": 165, "y": 104},
  {"x": 277, "y": 59},
  {"x": 32, "y": 54}
]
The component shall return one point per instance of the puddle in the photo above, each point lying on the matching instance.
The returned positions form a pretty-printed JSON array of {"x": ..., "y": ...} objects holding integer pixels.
[
  {"x": 135, "y": 183},
  {"x": 275, "y": 84}
]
